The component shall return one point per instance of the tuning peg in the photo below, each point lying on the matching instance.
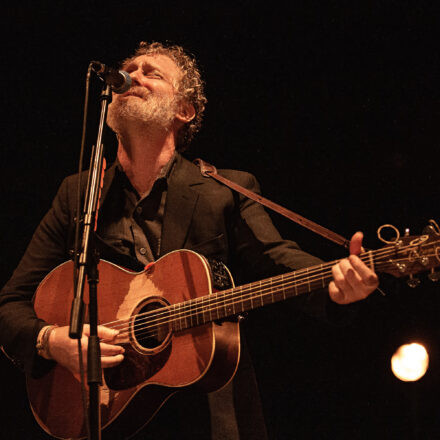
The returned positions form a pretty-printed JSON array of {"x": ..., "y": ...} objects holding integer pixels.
[
  {"x": 412, "y": 281},
  {"x": 406, "y": 232},
  {"x": 434, "y": 276},
  {"x": 434, "y": 226},
  {"x": 428, "y": 230}
]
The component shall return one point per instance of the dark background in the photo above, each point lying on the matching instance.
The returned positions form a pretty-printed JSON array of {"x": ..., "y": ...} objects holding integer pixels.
[{"x": 334, "y": 105}]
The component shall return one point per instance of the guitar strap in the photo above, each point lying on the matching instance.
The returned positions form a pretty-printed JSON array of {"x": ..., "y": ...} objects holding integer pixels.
[{"x": 209, "y": 170}]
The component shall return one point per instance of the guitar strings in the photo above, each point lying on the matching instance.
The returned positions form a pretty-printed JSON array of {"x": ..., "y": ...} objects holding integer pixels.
[
  {"x": 214, "y": 306},
  {"x": 272, "y": 282},
  {"x": 280, "y": 278},
  {"x": 194, "y": 312},
  {"x": 216, "y": 300},
  {"x": 223, "y": 295},
  {"x": 152, "y": 330}
]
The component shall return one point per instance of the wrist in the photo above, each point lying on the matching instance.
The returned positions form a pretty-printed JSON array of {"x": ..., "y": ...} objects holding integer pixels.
[{"x": 42, "y": 345}]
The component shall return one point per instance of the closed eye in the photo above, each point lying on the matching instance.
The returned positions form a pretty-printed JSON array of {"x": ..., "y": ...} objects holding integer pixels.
[{"x": 153, "y": 75}]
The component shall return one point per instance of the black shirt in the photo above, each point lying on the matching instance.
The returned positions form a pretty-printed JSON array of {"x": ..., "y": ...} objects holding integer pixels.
[{"x": 134, "y": 223}]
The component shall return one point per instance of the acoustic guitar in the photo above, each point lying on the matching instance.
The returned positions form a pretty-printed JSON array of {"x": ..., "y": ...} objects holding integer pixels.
[{"x": 178, "y": 332}]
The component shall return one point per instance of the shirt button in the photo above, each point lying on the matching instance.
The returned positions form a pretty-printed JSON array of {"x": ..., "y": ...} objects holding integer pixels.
[
  {"x": 143, "y": 251},
  {"x": 138, "y": 209}
]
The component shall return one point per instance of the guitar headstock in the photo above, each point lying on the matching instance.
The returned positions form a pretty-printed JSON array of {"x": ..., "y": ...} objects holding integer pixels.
[{"x": 410, "y": 254}]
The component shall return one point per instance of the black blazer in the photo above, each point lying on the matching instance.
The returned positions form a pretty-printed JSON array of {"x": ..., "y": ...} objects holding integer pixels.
[{"x": 200, "y": 214}]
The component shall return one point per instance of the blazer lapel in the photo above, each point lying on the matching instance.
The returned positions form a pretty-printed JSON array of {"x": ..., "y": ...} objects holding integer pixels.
[{"x": 180, "y": 205}]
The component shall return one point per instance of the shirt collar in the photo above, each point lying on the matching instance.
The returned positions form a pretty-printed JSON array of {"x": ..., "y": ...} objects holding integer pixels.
[{"x": 165, "y": 173}]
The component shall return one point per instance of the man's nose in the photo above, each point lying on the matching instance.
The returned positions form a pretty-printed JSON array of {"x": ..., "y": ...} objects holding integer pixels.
[{"x": 136, "y": 77}]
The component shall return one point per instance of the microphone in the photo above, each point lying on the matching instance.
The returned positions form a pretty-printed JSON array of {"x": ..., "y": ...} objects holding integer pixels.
[{"x": 119, "y": 80}]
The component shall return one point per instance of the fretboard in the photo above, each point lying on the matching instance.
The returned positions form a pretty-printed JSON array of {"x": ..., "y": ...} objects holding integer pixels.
[{"x": 250, "y": 296}]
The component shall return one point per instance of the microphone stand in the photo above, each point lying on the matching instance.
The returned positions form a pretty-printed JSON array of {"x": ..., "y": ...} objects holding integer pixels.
[{"x": 88, "y": 264}]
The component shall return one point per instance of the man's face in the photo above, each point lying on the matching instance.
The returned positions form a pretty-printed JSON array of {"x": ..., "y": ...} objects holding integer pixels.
[{"x": 152, "y": 100}]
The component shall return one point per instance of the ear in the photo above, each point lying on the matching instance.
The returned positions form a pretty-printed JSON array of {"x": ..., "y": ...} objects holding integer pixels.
[{"x": 186, "y": 112}]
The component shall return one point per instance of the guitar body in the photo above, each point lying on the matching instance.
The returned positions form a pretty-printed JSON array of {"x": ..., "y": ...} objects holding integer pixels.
[{"x": 203, "y": 357}]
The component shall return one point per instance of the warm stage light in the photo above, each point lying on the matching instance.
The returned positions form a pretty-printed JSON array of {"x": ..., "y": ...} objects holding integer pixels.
[{"x": 410, "y": 362}]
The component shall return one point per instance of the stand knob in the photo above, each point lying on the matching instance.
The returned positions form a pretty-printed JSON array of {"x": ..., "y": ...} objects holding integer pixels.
[
  {"x": 434, "y": 276},
  {"x": 413, "y": 282}
]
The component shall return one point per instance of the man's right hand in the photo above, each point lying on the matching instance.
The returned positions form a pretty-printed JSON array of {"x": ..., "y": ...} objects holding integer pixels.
[{"x": 64, "y": 350}]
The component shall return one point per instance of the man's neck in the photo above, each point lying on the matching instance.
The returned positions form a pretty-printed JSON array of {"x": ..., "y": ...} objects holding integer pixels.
[{"x": 143, "y": 155}]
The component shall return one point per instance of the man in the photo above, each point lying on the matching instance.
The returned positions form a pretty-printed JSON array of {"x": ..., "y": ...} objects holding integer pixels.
[{"x": 154, "y": 201}]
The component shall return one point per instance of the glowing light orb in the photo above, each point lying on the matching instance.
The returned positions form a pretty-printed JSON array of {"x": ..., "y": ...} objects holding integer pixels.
[{"x": 410, "y": 362}]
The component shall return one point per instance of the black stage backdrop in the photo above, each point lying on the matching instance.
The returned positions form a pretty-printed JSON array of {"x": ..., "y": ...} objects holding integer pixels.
[{"x": 333, "y": 105}]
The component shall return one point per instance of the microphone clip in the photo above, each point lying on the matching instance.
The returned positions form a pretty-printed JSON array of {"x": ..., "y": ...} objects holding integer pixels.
[{"x": 119, "y": 80}]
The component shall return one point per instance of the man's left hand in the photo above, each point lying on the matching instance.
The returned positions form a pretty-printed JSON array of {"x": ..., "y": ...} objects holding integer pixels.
[{"x": 353, "y": 280}]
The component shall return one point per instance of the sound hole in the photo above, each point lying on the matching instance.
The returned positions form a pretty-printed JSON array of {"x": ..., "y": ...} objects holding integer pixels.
[{"x": 151, "y": 325}]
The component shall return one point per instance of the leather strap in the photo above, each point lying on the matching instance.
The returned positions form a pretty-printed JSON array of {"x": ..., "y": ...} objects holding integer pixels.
[{"x": 209, "y": 170}]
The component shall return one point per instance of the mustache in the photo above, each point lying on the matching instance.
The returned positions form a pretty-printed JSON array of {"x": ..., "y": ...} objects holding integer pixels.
[{"x": 139, "y": 91}]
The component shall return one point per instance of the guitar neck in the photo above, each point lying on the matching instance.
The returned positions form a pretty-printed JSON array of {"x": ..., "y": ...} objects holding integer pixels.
[
  {"x": 250, "y": 296},
  {"x": 407, "y": 256}
]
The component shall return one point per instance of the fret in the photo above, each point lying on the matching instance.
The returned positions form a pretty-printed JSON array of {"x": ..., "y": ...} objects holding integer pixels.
[
  {"x": 221, "y": 305},
  {"x": 236, "y": 299},
  {"x": 207, "y": 309},
  {"x": 196, "y": 310},
  {"x": 308, "y": 279},
  {"x": 295, "y": 283},
  {"x": 272, "y": 289},
  {"x": 196, "y": 314},
  {"x": 277, "y": 290},
  {"x": 202, "y": 310},
  {"x": 202, "y": 305},
  {"x": 246, "y": 300},
  {"x": 261, "y": 295},
  {"x": 230, "y": 307},
  {"x": 241, "y": 298},
  {"x": 184, "y": 318},
  {"x": 190, "y": 313},
  {"x": 370, "y": 257},
  {"x": 283, "y": 286},
  {"x": 210, "y": 308},
  {"x": 187, "y": 316},
  {"x": 322, "y": 276},
  {"x": 214, "y": 306}
]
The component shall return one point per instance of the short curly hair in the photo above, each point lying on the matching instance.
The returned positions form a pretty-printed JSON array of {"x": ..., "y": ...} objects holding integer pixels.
[{"x": 190, "y": 88}]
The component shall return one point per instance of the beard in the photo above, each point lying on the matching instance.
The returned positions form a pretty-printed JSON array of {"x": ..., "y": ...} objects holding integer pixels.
[{"x": 152, "y": 112}]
